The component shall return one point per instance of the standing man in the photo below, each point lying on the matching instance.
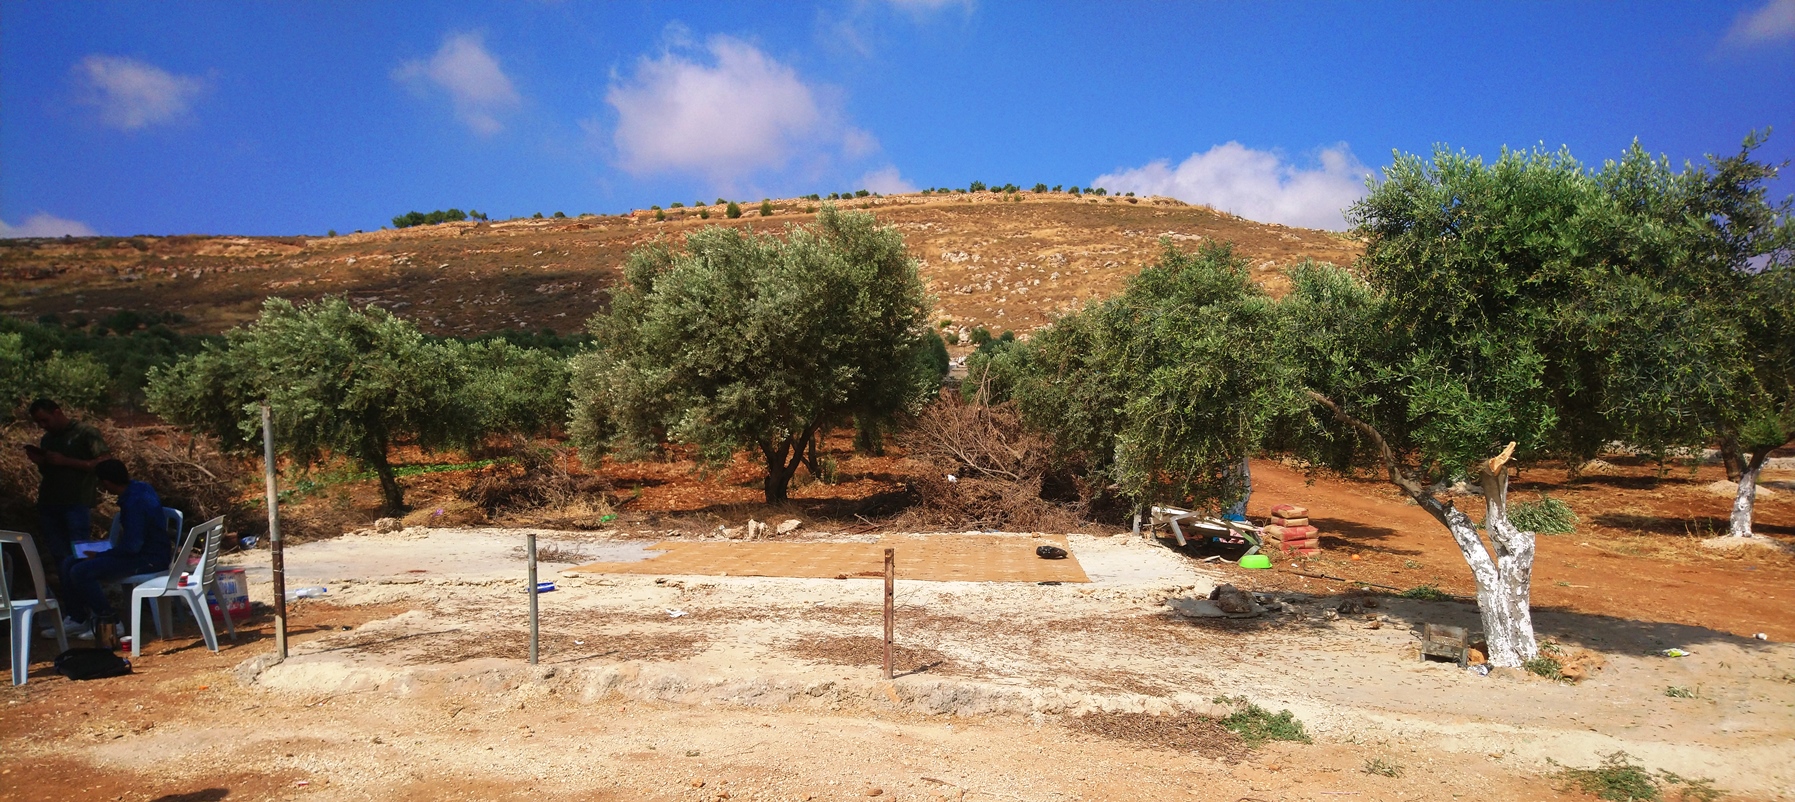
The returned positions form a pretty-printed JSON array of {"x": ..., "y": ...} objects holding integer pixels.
[
  {"x": 66, "y": 457},
  {"x": 141, "y": 545}
]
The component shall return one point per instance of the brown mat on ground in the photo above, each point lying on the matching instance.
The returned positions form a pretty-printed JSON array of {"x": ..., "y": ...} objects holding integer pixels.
[{"x": 938, "y": 558}]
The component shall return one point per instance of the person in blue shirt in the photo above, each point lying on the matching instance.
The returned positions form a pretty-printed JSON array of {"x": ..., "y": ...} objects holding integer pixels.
[{"x": 141, "y": 545}]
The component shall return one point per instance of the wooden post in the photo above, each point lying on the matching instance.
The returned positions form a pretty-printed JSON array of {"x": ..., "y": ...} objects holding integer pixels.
[
  {"x": 890, "y": 581},
  {"x": 274, "y": 543},
  {"x": 533, "y": 627}
]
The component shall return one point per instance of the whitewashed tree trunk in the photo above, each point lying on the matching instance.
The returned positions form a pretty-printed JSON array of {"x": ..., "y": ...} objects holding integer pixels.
[
  {"x": 1503, "y": 568},
  {"x": 1740, "y": 525}
]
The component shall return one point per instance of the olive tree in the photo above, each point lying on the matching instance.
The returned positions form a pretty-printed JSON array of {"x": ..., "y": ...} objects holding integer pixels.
[
  {"x": 356, "y": 382},
  {"x": 1523, "y": 309},
  {"x": 752, "y": 342},
  {"x": 1164, "y": 390}
]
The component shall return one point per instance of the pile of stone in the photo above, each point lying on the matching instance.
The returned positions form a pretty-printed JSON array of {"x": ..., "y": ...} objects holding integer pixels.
[{"x": 1290, "y": 532}]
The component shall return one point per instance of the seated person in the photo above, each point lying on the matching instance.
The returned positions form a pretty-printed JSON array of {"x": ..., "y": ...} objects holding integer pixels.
[{"x": 141, "y": 545}]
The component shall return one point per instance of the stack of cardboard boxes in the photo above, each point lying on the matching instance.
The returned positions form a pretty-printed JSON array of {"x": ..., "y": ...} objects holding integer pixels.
[{"x": 1290, "y": 532}]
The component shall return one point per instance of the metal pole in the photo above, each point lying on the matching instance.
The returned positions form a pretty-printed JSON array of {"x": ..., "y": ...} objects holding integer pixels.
[
  {"x": 533, "y": 627},
  {"x": 890, "y": 580},
  {"x": 274, "y": 543}
]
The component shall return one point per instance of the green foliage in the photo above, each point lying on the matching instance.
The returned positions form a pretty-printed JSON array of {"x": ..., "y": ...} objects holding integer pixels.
[
  {"x": 536, "y": 216},
  {"x": 933, "y": 354},
  {"x": 1547, "y": 516},
  {"x": 1617, "y": 779},
  {"x": 1547, "y": 667},
  {"x": 753, "y": 342},
  {"x": 1074, "y": 190},
  {"x": 861, "y": 193},
  {"x": 704, "y": 214},
  {"x": 356, "y": 383},
  {"x": 560, "y": 215},
  {"x": 976, "y": 186},
  {"x": 87, "y": 366},
  {"x": 676, "y": 205},
  {"x": 1425, "y": 593},
  {"x": 1679, "y": 692},
  {"x": 1040, "y": 188},
  {"x": 1152, "y": 390},
  {"x": 1256, "y": 725},
  {"x": 659, "y": 215},
  {"x": 766, "y": 208},
  {"x": 733, "y": 211},
  {"x": 1382, "y": 768},
  {"x": 721, "y": 201},
  {"x": 330, "y": 233},
  {"x": 415, "y": 218}
]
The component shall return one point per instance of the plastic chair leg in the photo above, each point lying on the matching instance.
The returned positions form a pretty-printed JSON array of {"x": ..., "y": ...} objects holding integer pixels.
[
  {"x": 229, "y": 625},
  {"x": 197, "y": 603},
  {"x": 137, "y": 624},
  {"x": 164, "y": 612},
  {"x": 21, "y": 645}
]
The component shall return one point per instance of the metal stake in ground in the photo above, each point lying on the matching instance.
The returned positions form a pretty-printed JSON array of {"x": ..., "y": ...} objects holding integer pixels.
[
  {"x": 890, "y": 581},
  {"x": 533, "y": 630},
  {"x": 274, "y": 544}
]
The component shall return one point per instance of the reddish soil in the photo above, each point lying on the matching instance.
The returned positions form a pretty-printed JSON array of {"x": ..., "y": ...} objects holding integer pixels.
[{"x": 1636, "y": 555}]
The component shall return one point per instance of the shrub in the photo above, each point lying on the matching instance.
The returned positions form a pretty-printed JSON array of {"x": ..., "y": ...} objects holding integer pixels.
[
  {"x": 331, "y": 233},
  {"x": 861, "y": 193},
  {"x": 1040, "y": 188},
  {"x": 1074, "y": 190},
  {"x": 414, "y": 218},
  {"x": 721, "y": 201},
  {"x": 976, "y": 186},
  {"x": 560, "y": 215},
  {"x": 704, "y": 214},
  {"x": 656, "y": 208},
  {"x": 659, "y": 215},
  {"x": 766, "y": 208},
  {"x": 1425, "y": 593},
  {"x": 676, "y": 205},
  {"x": 1547, "y": 667},
  {"x": 536, "y": 216},
  {"x": 1547, "y": 516},
  {"x": 1056, "y": 187},
  {"x": 733, "y": 211}
]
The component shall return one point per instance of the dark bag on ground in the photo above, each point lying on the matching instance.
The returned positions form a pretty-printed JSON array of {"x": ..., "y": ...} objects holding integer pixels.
[
  {"x": 89, "y": 663},
  {"x": 1050, "y": 552}
]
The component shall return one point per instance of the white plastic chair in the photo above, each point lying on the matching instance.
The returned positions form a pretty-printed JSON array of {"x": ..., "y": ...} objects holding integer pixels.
[
  {"x": 164, "y": 589},
  {"x": 176, "y": 522},
  {"x": 21, "y": 612}
]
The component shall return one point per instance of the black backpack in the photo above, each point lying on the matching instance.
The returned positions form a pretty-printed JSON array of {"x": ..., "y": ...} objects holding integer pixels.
[{"x": 89, "y": 663}]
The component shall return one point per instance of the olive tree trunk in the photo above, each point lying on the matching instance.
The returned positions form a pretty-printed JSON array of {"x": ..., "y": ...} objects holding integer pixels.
[
  {"x": 1502, "y": 568},
  {"x": 1740, "y": 524}
]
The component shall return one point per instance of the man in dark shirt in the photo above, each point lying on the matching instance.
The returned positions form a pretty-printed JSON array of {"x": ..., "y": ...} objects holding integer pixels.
[
  {"x": 140, "y": 545},
  {"x": 66, "y": 457}
]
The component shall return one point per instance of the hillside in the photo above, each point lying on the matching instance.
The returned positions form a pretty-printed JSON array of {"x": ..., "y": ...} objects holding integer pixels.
[{"x": 1001, "y": 261}]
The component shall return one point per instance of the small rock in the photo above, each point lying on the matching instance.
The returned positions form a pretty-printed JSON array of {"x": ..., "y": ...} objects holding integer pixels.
[
  {"x": 788, "y": 526},
  {"x": 1330, "y": 615},
  {"x": 875, "y": 791},
  {"x": 386, "y": 525},
  {"x": 1231, "y": 599}
]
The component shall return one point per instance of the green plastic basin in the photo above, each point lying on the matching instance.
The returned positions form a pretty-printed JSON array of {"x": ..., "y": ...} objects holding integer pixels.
[{"x": 1255, "y": 561}]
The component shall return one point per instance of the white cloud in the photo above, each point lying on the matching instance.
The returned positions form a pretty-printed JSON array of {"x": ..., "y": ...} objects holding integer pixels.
[
  {"x": 742, "y": 113},
  {"x": 1255, "y": 184},
  {"x": 1774, "y": 22},
  {"x": 885, "y": 181},
  {"x": 45, "y": 225},
  {"x": 472, "y": 78},
  {"x": 132, "y": 94}
]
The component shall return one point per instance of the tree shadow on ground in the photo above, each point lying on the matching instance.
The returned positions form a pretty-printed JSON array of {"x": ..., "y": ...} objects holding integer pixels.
[
  {"x": 205, "y": 795},
  {"x": 1600, "y": 633},
  {"x": 1701, "y": 526},
  {"x": 824, "y": 511}
]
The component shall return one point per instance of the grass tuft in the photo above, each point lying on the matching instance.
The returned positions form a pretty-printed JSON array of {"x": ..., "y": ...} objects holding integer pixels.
[
  {"x": 1619, "y": 779},
  {"x": 1546, "y": 667},
  {"x": 1256, "y": 725},
  {"x": 1426, "y": 593},
  {"x": 1382, "y": 768}
]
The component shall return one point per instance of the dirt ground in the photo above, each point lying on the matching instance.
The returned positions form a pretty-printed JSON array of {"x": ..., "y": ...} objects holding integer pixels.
[{"x": 408, "y": 680}]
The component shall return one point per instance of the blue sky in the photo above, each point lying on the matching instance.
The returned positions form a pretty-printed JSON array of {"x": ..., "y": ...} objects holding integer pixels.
[{"x": 293, "y": 118}]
